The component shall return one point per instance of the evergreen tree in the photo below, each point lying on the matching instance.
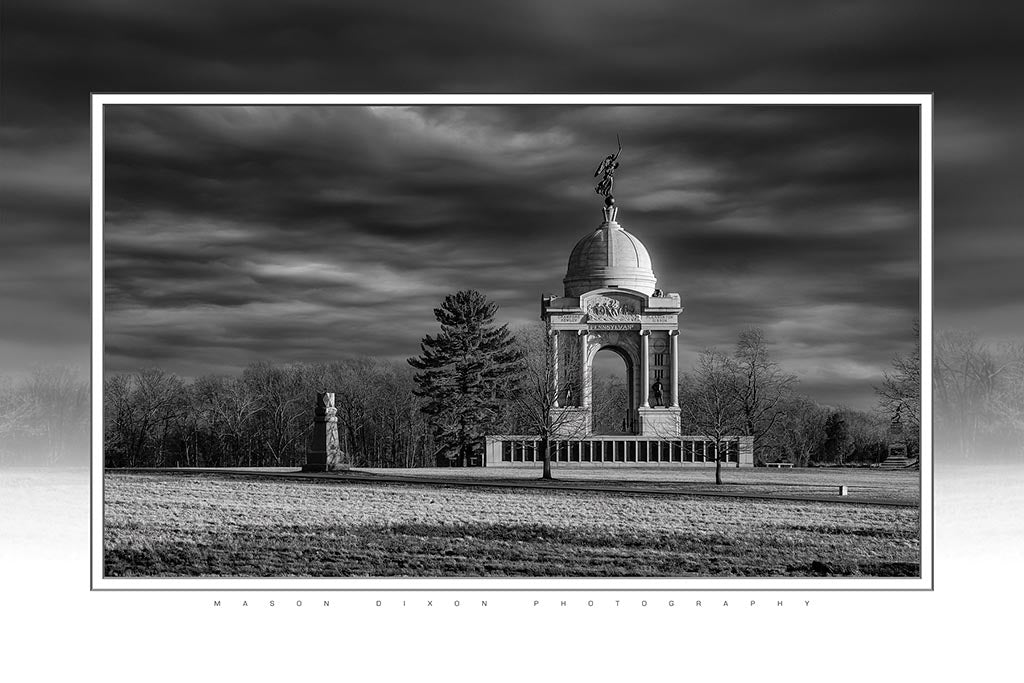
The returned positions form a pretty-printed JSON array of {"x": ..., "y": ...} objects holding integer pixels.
[
  {"x": 466, "y": 373},
  {"x": 838, "y": 443}
]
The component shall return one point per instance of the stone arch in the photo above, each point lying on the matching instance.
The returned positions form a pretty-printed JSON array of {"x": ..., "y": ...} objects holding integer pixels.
[{"x": 631, "y": 360}]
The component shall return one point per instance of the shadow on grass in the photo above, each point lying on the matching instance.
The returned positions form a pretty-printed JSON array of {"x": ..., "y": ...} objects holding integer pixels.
[{"x": 475, "y": 550}]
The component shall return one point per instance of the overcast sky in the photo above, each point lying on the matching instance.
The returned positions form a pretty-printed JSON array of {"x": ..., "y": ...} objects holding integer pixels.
[
  {"x": 55, "y": 53},
  {"x": 235, "y": 234}
]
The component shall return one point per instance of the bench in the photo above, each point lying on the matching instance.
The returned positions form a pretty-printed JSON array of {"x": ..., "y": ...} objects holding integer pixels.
[{"x": 778, "y": 464}]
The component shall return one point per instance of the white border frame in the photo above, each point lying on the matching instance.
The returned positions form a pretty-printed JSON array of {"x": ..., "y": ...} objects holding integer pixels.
[{"x": 924, "y": 582}]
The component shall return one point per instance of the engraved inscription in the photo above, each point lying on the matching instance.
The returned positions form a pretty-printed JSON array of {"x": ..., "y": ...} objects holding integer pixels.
[{"x": 611, "y": 326}]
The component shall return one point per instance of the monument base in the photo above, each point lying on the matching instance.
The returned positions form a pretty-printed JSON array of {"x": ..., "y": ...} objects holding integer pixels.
[
  {"x": 320, "y": 467},
  {"x": 659, "y": 422},
  {"x": 326, "y": 462},
  {"x": 897, "y": 458}
]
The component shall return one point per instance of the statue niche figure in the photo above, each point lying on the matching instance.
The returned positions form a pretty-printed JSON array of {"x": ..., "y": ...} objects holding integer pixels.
[{"x": 657, "y": 392}]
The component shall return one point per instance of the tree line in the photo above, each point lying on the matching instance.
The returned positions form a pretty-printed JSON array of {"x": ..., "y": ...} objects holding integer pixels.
[
  {"x": 395, "y": 414},
  {"x": 264, "y": 417},
  {"x": 44, "y": 417},
  {"x": 479, "y": 379}
]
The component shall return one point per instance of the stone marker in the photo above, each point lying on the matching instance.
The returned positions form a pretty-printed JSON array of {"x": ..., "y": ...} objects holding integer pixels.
[
  {"x": 325, "y": 454},
  {"x": 842, "y": 491},
  {"x": 896, "y": 457}
]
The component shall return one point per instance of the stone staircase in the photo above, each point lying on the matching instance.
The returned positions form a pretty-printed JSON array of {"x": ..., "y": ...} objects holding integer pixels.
[{"x": 897, "y": 461}]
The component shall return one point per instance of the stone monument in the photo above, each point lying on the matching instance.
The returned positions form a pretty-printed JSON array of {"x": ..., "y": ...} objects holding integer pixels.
[
  {"x": 325, "y": 454},
  {"x": 611, "y": 302},
  {"x": 896, "y": 458}
]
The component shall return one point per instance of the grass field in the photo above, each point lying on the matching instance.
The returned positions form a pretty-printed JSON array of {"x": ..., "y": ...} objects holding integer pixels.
[
  {"x": 180, "y": 524},
  {"x": 896, "y": 486}
]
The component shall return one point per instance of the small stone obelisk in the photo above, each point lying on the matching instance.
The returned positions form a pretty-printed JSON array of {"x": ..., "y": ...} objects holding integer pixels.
[{"x": 325, "y": 452}]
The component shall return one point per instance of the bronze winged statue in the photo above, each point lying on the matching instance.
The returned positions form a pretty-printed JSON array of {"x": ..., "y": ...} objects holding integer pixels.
[{"x": 607, "y": 172}]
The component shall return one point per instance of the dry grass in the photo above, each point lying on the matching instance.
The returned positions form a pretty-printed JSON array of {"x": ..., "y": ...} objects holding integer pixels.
[
  {"x": 898, "y": 486},
  {"x": 196, "y": 525}
]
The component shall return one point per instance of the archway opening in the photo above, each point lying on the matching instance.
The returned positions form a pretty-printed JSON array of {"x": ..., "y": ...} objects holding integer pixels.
[{"x": 611, "y": 393}]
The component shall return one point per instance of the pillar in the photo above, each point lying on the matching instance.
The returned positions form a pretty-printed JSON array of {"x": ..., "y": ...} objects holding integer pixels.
[
  {"x": 325, "y": 452},
  {"x": 554, "y": 353},
  {"x": 584, "y": 370},
  {"x": 674, "y": 336},
  {"x": 645, "y": 368}
]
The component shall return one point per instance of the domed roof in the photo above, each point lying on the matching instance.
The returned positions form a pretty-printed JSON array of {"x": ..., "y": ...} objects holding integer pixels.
[{"x": 609, "y": 257}]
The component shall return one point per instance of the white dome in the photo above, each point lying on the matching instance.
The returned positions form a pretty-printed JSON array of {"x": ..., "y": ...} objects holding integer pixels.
[{"x": 609, "y": 257}]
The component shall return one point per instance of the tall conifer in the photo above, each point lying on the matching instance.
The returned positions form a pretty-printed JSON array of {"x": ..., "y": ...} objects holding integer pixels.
[{"x": 466, "y": 372}]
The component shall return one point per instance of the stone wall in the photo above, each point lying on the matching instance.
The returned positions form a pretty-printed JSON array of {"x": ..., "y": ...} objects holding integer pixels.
[{"x": 617, "y": 451}]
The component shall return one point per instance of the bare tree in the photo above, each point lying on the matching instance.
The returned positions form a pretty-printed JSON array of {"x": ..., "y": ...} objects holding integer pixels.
[
  {"x": 543, "y": 387},
  {"x": 1008, "y": 402},
  {"x": 15, "y": 412},
  {"x": 761, "y": 385},
  {"x": 138, "y": 409},
  {"x": 59, "y": 401},
  {"x": 901, "y": 388},
  {"x": 227, "y": 406},
  {"x": 965, "y": 386},
  {"x": 802, "y": 430},
  {"x": 260, "y": 419},
  {"x": 710, "y": 401},
  {"x": 282, "y": 412}
]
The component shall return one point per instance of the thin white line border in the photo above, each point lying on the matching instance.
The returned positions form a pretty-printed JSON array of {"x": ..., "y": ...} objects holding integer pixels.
[{"x": 925, "y": 582}]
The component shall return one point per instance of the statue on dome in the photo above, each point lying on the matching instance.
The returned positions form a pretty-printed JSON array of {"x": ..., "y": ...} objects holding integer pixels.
[{"x": 607, "y": 172}]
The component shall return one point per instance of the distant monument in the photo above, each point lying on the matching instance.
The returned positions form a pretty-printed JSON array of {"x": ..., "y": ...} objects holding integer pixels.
[
  {"x": 611, "y": 301},
  {"x": 325, "y": 454},
  {"x": 896, "y": 458}
]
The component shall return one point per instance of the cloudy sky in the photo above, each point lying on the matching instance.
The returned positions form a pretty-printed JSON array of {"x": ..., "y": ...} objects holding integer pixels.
[
  {"x": 235, "y": 234},
  {"x": 245, "y": 187}
]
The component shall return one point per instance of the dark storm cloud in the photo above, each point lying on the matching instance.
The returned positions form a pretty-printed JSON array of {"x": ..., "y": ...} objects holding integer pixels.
[
  {"x": 55, "y": 53},
  {"x": 304, "y": 233}
]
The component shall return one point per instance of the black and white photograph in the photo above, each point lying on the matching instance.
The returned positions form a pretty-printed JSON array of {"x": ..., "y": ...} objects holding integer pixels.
[
  {"x": 590, "y": 340},
  {"x": 499, "y": 340}
]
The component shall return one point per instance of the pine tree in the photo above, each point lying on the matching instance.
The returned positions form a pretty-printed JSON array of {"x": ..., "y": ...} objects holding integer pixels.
[
  {"x": 838, "y": 443},
  {"x": 467, "y": 373}
]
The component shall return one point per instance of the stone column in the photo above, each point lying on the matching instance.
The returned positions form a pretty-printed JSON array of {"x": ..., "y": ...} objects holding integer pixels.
[
  {"x": 554, "y": 353},
  {"x": 674, "y": 336},
  {"x": 325, "y": 452},
  {"x": 584, "y": 371},
  {"x": 645, "y": 368}
]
